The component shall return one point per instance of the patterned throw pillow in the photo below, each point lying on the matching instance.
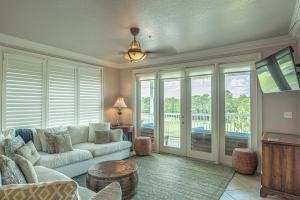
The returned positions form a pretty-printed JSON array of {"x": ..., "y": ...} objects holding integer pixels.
[
  {"x": 63, "y": 143},
  {"x": 11, "y": 174},
  {"x": 57, "y": 190},
  {"x": 29, "y": 152},
  {"x": 43, "y": 138},
  {"x": 11, "y": 145},
  {"x": 26, "y": 168},
  {"x": 51, "y": 140}
]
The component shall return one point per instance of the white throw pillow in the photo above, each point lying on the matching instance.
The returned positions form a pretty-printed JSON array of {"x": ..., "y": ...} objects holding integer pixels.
[
  {"x": 79, "y": 134},
  {"x": 116, "y": 135},
  {"x": 104, "y": 126}
]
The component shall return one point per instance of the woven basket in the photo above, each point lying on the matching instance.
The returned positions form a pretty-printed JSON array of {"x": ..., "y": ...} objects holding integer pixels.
[
  {"x": 244, "y": 161},
  {"x": 142, "y": 146}
]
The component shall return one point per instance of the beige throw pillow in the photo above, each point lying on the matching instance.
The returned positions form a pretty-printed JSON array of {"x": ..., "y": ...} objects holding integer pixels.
[
  {"x": 43, "y": 138},
  {"x": 102, "y": 137},
  {"x": 93, "y": 127},
  {"x": 29, "y": 152},
  {"x": 63, "y": 143},
  {"x": 26, "y": 168},
  {"x": 116, "y": 135},
  {"x": 51, "y": 140}
]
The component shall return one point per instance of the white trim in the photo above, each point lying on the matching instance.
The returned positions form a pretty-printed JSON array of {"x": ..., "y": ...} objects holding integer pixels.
[
  {"x": 34, "y": 47},
  {"x": 202, "y": 63},
  {"x": 294, "y": 30}
]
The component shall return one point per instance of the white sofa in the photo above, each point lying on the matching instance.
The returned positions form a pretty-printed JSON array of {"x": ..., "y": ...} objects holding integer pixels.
[{"x": 85, "y": 153}]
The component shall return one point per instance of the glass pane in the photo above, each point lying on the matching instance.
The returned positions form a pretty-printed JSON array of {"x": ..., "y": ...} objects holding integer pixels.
[
  {"x": 172, "y": 113},
  {"x": 201, "y": 113},
  {"x": 237, "y": 111},
  {"x": 147, "y": 108}
]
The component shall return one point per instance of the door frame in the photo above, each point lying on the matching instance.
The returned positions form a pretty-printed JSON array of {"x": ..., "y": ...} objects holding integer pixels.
[
  {"x": 216, "y": 62},
  {"x": 172, "y": 150},
  {"x": 213, "y": 155},
  {"x": 254, "y": 112}
]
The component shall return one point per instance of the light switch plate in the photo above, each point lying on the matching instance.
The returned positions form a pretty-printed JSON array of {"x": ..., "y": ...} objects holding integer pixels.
[{"x": 288, "y": 115}]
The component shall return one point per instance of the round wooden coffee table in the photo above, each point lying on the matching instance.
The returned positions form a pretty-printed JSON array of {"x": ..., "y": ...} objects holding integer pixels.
[{"x": 123, "y": 171}]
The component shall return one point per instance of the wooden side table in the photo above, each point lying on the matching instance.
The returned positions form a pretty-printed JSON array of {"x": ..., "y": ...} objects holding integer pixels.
[{"x": 128, "y": 130}]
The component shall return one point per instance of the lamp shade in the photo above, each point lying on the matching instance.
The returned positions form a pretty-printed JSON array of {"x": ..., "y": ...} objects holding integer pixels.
[{"x": 120, "y": 103}]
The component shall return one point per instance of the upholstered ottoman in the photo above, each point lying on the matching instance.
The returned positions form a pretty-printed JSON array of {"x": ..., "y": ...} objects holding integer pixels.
[
  {"x": 244, "y": 161},
  {"x": 142, "y": 146}
]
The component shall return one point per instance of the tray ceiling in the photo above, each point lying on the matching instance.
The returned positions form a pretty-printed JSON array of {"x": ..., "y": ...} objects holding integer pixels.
[{"x": 100, "y": 28}]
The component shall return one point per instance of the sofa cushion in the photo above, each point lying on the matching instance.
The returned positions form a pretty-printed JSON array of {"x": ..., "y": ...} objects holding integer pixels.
[
  {"x": 78, "y": 134},
  {"x": 45, "y": 174},
  {"x": 10, "y": 172},
  {"x": 26, "y": 168},
  {"x": 11, "y": 145},
  {"x": 58, "y": 190},
  {"x": 36, "y": 140},
  {"x": 29, "y": 152},
  {"x": 97, "y": 127},
  {"x": 103, "y": 149},
  {"x": 58, "y": 160}
]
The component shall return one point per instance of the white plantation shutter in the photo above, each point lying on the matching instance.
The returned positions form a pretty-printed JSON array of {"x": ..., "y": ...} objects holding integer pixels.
[
  {"x": 90, "y": 95},
  {"x": 61, "y": 94},
  {"x": 23, "y": 91}
]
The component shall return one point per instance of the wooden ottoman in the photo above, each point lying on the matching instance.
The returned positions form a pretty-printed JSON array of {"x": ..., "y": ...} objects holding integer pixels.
[
  {"x": 142, "y": 146},
  {"x": 244, "y": 161},
  {"x": 123, "y": 171}
]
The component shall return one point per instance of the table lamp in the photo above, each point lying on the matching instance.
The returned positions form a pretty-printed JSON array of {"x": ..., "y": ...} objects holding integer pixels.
[{"x": 120, "y": 103}]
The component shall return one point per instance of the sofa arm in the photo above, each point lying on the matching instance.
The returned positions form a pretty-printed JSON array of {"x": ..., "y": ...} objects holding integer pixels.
[
  {"x": 111, "y": 192},
  {"x": 57, "y": 190}
]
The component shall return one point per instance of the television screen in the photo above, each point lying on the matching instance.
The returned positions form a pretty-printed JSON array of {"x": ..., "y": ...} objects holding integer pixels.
[{"x": 277, "y": 72}]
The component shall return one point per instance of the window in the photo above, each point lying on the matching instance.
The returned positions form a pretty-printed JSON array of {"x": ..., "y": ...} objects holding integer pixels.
[
  {"x": 61, "y": 94},
  {"x": 43, "y": 93},
  {"x": 90, "y": 106},
  {"x": 23, "y": 92}
]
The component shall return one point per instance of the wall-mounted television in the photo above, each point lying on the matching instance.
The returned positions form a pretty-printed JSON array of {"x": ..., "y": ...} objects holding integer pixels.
[{"x": 277, "y": 72}]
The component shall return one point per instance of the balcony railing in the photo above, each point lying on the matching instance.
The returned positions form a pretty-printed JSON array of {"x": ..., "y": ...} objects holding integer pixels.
[{"x": 237, "y": 130}]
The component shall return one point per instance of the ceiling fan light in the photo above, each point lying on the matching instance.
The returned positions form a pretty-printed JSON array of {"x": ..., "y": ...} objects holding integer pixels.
[{"x": 134, "y": 56}]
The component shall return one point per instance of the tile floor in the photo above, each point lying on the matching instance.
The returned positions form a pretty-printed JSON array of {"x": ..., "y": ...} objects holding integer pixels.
[{"x": 245, "y": 188}]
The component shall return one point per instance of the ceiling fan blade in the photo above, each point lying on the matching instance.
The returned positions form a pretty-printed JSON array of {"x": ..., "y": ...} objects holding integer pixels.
[{"x": 166, "y": 51}]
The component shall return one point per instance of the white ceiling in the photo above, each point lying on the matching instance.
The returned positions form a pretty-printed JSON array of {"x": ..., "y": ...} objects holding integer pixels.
[{"x": 100, "y": 28}]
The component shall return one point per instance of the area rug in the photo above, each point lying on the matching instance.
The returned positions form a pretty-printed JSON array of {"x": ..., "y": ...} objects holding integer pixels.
[{"x": 167, "y": 177}]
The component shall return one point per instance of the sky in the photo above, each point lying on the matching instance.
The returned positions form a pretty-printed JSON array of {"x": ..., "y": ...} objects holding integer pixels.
[{"x": 238, "y": 84}]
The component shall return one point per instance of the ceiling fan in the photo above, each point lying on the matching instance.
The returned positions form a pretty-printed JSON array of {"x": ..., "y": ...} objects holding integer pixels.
[{"x": 135, "y": 53}]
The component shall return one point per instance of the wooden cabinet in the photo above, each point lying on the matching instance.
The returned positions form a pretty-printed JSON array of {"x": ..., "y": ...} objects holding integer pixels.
[{"x": 281, "y": 165}]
